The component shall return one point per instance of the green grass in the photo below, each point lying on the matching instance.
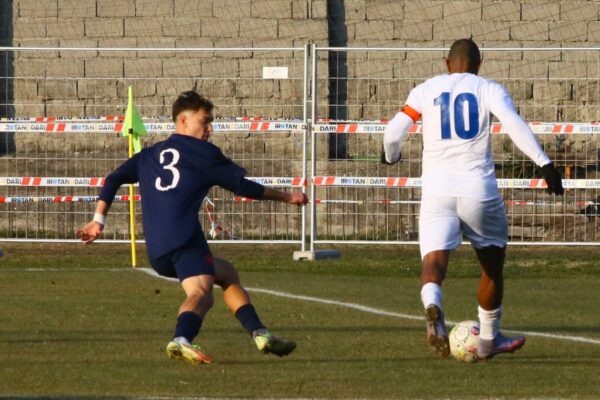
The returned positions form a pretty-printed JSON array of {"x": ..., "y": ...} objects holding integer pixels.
[{"x": 76, "y": 329}]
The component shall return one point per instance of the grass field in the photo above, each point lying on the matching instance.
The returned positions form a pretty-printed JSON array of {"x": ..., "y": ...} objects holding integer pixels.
[{"x": 77, "y": 322}]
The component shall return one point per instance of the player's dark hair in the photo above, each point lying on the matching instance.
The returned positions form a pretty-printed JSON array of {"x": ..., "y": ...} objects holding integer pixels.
[
  {"x": 192, "y": 101},
  {"x": 466, "y": 49}
]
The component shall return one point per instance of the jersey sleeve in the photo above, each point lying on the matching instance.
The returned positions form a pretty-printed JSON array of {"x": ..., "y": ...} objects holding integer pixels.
[
  {"x": 501, "y": 105},
  {"x": 124, "y": 174},
  {"x": 231, "y": 176},
  {"x": 413, "y": 106}
]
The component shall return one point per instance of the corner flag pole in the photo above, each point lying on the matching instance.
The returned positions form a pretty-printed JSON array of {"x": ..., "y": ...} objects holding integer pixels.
[
  {"x": 133, "y": 127},
  {"x": 131, "y": 203}
]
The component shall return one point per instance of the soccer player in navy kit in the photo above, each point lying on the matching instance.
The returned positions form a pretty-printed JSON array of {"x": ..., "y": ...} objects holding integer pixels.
[{"x": 174, "y": 177}]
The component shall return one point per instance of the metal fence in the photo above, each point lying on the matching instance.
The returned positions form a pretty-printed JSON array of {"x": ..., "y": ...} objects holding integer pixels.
[
  {"x": 66, "y": 108},
  {"x": 53, "y": 164},
  {"x": 359, "y": 200}
]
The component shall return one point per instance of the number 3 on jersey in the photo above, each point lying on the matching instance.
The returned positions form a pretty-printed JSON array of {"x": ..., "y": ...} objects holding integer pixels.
[
  {"x": 171, "y": 168},
  {"x": 459, "y": 118}
]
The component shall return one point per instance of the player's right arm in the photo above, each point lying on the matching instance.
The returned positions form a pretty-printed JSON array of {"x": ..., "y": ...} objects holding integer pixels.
[
  {"x": 126, "y": 173},
  {"x": 397, "y": 129},
  {"x": 502, "y": 107}
]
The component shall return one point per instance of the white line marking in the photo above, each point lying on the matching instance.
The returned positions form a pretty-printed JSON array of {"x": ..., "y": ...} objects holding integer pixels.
[
  {"x": 376, "y": 311},
  {"x": 353, "y": 306}
]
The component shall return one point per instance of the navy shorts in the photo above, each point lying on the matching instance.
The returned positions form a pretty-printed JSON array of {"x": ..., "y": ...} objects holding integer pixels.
[{"x": 192, "y": 259}]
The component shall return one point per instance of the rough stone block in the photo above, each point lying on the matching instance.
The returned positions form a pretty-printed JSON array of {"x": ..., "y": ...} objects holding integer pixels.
[
  {"x": 542, "y": 11},
  {"x": 527, "y": 69},
  {"x": 501, "y": 11},
  {"x": 196, "y": 43},
  {"x": 142, "y": 27},
  {"x": 46, "y": 54},
  {"x": 57, "y": 89},
  {"x": 450, "y": 30},
  {"x": 196, "y": 8},
  {"x": 122, "y": 42},
  {"x": 154, "y": 8},
  {"x": 182, "y": 67},
  {"x": 181, "y": 26},
  {"x": 318, "y": 9},
  {"x": 64, "y": 68},
  {"x": 65, "y": 108},
  {"x": 221, "y": 28},
  {"x": 76, "y": 8},
  {"x": 232, "y": 8},
  {"x": 79, "y": 43},
  {"x": 490, "y": 30},
  {"x": 385, "y": 10},
  {"x": 437, "y": 55},
  {"x": 156, "y": 42},
  {"x": 494, "y": 69},
  {"x": 141, "y": 87},
  {"x": 25, "y": 89},
  {"x": 255, "y": 89},
  {"x": 462, "y": 11},
  {"x": 29, "y": 28},
  {"x": 568, "y": 69},
  {"x": 176, "y": 87},
  {"x": 95, "y": 89},
  {"x": 539, "y": 56},
  {"x": 25, "y": 67},
  {"x": 552, "y": 91},
  {"x": 568, "y": 31},
  {"x": 594, "y": 31},
  {"x": 271, "y": 9},
  {"x": 297, "y": 29},
  {"x": 220, "y": 68},
  {"x": 535, "y": 30},
  {"x": 257, "y": 28},
  {"x": 143, "y": 68},
  {"x": 104, "y": 68},
  {"x": 356, "y": 10},
  {"x": 229, "y": 43},
  {"x": 300, "y": 9},
  {"x": 502, "y": 55},
  {"x": 423, "y": 10},
  {"x": 382, "y": 30},
  {"x": 65, "y": 28},
  {"x": 579, "y": 11},
  {"x": 37, "y": 9},
  {"x": 115, "y": 8},
  {"x": 417, "y": 30},
  {"x": 104, "y": 27}
]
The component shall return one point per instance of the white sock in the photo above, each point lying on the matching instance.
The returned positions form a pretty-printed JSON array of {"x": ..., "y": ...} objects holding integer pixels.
[
  {"x": 431, "y": 293},
  {"x": 182, "y": 340},
  {"x": 489, "y": 322}
]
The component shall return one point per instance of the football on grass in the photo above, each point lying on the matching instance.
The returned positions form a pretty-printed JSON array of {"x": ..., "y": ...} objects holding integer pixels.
[{"x": 464, "y": 341}]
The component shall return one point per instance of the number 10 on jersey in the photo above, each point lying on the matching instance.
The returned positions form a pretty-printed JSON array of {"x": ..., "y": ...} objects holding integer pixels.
[{"x": 443, "y": 100}]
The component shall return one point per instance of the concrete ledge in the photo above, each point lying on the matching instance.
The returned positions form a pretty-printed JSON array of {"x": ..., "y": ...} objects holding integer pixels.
[{"x": 316, "y": 255}]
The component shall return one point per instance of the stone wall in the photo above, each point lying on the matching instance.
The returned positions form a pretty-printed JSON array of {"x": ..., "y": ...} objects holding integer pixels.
[{"x": 101, "y": 77}]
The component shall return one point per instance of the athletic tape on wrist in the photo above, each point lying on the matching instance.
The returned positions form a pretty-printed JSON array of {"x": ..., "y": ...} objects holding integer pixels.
[{"x": 99, "y": 218}]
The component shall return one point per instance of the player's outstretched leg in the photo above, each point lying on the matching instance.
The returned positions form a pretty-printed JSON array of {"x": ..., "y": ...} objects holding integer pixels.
[
  {"x": 198, "y": 301},
  {"x": 238, "y": 301},
  {"x": 500, "y": 344},
  {"x": 437, "y": 336}
]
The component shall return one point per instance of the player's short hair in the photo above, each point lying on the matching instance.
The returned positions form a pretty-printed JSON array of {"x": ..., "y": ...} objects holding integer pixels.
[
  {"x": 465, "y": 49},
  {"x": 191, "y": 101}
]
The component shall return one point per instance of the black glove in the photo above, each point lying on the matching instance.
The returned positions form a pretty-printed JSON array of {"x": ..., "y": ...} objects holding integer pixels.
[
  {"x": 553, "y": 179},
  {"x": 384, "y": 161}
]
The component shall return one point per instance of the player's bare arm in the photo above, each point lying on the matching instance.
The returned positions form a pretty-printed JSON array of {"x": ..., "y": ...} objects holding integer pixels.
[
  {"x": 92, "y": 230},
  {"x": 297, "y": 198}
]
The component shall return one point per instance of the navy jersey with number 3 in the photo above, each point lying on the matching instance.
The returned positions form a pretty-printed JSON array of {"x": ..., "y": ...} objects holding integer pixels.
[{"x": 175, "y": 176}]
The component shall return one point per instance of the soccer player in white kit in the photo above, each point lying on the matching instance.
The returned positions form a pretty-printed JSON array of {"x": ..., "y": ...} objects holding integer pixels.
[{"x": 460, "y": 193}]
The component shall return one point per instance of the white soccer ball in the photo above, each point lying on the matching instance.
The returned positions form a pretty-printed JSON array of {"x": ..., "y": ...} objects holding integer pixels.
[{"x": 464, "y": 341}]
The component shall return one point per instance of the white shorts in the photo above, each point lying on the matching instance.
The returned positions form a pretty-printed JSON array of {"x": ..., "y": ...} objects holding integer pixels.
[{"x": 444, "y": 220}]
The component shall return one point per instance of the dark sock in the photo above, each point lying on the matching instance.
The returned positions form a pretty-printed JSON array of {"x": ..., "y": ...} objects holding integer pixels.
[
  {"x": 247, "y": 316},
  {"x": 188, "y": 325}
]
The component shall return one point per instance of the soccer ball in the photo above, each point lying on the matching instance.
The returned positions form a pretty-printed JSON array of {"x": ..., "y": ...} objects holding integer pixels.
[{"x": 464, "y": 341}]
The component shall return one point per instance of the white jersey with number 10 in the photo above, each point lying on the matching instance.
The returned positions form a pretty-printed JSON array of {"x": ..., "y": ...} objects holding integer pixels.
[{"x": 457, "y": 154}]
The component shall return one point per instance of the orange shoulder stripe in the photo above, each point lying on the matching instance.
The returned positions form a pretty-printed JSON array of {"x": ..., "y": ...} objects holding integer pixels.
[{"x": 411, "y": 112}]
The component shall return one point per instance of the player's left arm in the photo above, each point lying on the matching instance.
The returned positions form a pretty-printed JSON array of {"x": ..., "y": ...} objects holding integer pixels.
[
  {"x": 502, "y": 107},
  {"x": 126, "y": 173}
]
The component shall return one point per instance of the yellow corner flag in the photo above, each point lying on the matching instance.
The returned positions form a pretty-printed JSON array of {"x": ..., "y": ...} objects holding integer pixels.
[
  {"x": 133, "y": 123},
  {"x": 133, "y": 127}
]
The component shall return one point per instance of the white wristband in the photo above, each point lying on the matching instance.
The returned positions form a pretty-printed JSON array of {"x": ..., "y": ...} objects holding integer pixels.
[{"x": 99, "y": 218}]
